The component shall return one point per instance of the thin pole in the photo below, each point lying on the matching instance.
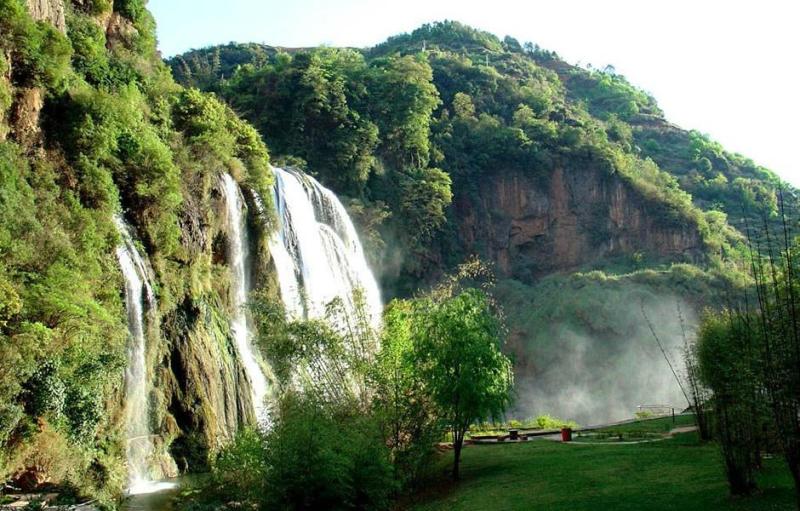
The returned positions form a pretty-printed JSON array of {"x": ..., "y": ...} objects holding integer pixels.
[{"x": 664, "y": 352}]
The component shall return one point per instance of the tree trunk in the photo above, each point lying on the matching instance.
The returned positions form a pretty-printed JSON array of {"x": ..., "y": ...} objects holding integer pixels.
[
  {"x": 458, "y": 441},
  {"x": 794, "y": 468},
  {"x": 702, "y": 423}
]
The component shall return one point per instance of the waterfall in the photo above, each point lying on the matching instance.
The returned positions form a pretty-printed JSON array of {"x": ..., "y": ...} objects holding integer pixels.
[
  {"x": 317, "y": 252},
  {"x": 238, "y": 248},
  {"x": 139, "y": 299}
]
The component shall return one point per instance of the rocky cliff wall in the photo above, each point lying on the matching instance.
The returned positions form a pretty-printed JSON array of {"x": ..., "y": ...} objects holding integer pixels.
[
  {"x": 201, "y": 390},
  {"x": 51, "y": 11},
  {"x": 531, "y": 227}
]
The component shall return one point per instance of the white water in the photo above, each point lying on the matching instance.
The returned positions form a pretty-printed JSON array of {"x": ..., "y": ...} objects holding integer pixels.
[
  {"x": 317, "y": 252},
  {"x": 238, "y": 247},
  {"x": 139, "y": 299}
]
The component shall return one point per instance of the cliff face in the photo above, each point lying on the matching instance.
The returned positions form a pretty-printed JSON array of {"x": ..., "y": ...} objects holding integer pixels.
[
  {"x": 92, "y": 127},
  {"x": 28, "y": 103},
  {"x": 51, "y": 11},
  {"x": 532, "y": 227},
  {"x": 202, "y": 391}
]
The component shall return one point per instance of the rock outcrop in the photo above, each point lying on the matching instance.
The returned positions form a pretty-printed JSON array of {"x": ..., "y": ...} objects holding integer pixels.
[
  {"x": 28, "y": 101},
  {"x": 202, "y": 390},
  {"x": 25, "y": 112},
  {"x": 206, "y": 391},
  {"x": 532, "y": 226},
  {"x": 51, "y": 11},
  {"x": 118, "y": 29}
]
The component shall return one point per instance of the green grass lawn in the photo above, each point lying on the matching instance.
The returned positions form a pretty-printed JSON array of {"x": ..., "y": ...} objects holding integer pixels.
[{"x": 678, "y": 473}]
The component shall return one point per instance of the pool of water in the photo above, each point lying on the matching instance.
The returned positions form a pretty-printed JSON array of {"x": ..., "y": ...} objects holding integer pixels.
[{"x": 154, "y": 496}]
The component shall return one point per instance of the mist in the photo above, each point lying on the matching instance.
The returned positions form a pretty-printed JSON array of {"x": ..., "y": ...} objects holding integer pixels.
[{"x": 590, "y": 356}]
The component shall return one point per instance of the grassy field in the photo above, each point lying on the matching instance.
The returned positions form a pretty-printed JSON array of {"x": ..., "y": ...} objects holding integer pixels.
[{"x": 674, "y": 474}]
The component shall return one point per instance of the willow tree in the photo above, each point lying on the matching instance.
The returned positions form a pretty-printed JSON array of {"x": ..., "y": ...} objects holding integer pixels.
[{"x": 457, "y": 352}]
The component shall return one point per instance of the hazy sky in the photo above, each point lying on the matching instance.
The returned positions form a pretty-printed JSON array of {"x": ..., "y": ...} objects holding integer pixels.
[{"x": 726, "y": 68}]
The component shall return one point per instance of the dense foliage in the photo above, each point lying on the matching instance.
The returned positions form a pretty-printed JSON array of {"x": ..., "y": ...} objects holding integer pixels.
[
  {"x": 431, "y": 115},
  {"x": 92, "y": 125},
  {"x": 749, "y": 356},
  {"x": 356, "y": 423},
  {"x": 317, "y": 455}
]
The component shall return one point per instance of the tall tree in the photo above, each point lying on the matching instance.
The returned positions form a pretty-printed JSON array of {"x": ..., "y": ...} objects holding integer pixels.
[
  {"x": 458, "y": 353},
  {"x": 728, "y": 365}
]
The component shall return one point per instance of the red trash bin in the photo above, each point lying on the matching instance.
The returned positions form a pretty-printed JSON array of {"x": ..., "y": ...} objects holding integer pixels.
[{"x": 566, "y": 434}]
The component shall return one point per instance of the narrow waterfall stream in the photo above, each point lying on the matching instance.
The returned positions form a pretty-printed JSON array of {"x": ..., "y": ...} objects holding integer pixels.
[
  {"x": 139, "y": 300},
  {"x": 317, "y": 252},
  {"x": 238, "y": 259}
]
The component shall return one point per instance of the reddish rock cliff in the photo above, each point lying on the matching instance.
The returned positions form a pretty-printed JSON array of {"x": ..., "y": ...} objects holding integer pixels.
[{"x": 533, "y": 226}]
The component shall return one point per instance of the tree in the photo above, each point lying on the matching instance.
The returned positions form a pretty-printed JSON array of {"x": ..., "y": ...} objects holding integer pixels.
[
  {"x": 698, "y": 392},
  {"x": 424, "y": 197},
  {"x": 512, "y": 44},
  {"x": 727, "y": 357},
  {"x": 523, "y": 116},
  {"x": 401, "y": 403},
  {"x": 458, "y": 354},
  {"x": 401, "y": 100},
  {"x": 463, "y": 106}
]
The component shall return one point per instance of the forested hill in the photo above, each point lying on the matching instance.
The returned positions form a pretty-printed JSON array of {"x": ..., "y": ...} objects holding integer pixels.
[
  {"x": 94, "y": 132},
  {"x": 443, "y": 143},
  {"x": 717, "y": 179},
  {"x": 449, "y": 142},
  {"x": 394, "y": 125}
]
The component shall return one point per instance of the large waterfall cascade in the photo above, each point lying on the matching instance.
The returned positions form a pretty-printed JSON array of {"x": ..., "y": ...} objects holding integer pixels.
[
  {"x": 139, "y": 301},
  {"x": 317, "y": 253},
  {"x": 318, "y": 258},
  {"x": 238, "y": 259}
]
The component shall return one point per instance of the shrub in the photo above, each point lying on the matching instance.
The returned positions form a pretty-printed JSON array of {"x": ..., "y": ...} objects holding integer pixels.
[
  {"x": 131, "y": 9},
  {"x": 325, "y": 457},
  {"x": 89, "y": 45},
  {"x": 549, "y": 422},
  {"x": 726, "y": 354},
  {"x": 40, "y": 53},
  {"x": 243, "y": 464},
  {"x": 97, "y": 6},
  {"x": 317, "y": 455},
  {"x": 46, "y": 391}
]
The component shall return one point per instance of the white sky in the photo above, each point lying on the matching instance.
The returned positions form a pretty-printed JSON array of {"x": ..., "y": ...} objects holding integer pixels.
[{"x": 726, "y": 68}]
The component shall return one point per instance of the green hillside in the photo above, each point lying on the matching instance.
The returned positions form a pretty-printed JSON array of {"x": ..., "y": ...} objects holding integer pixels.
[
  {"x": 452, "y": 98},
  {"x": 443, "y": 144},
  {"x": 449, "y": 142},
  {"x": 91, "y": 126}
]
